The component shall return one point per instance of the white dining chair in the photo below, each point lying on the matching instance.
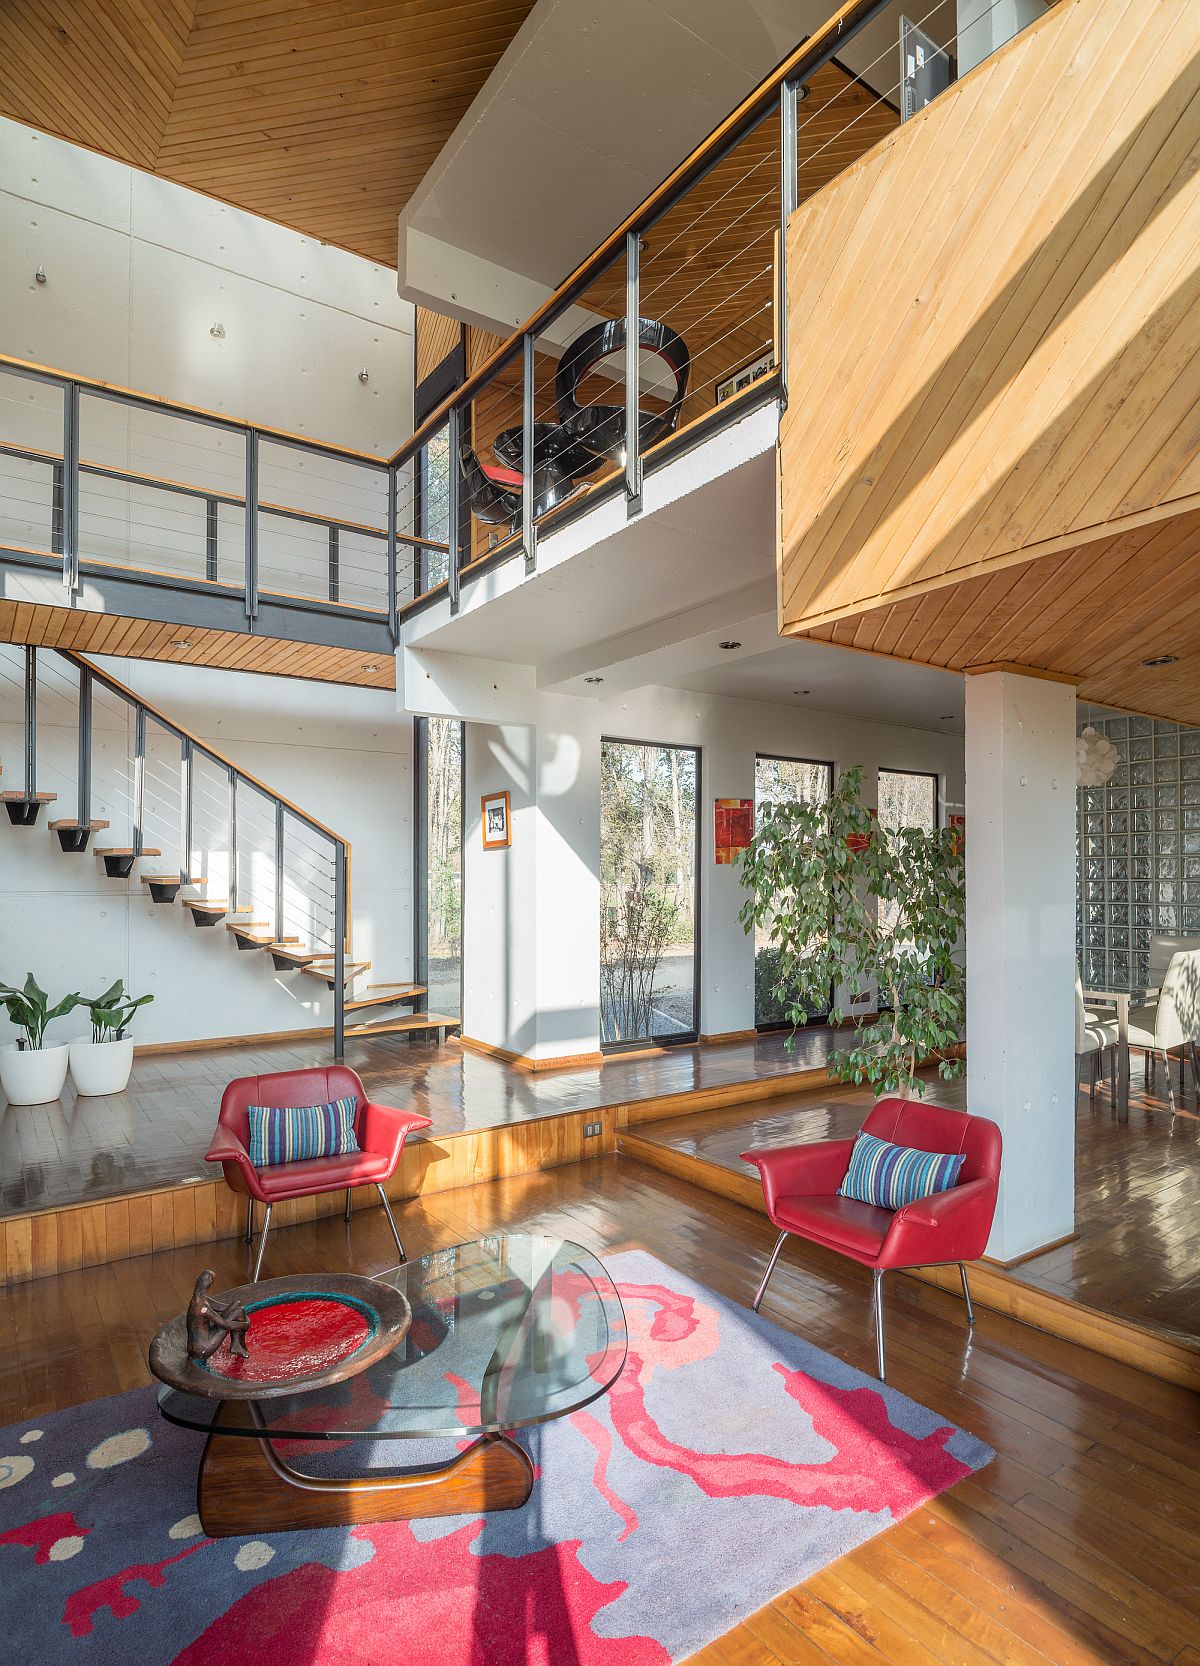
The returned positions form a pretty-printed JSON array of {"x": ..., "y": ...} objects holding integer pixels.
[
  {"x": 1094, "y": 1036},
  {"x": 1172, "y": 1022}
]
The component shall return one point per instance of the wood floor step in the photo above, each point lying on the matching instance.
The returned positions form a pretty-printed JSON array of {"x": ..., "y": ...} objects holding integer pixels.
[
  {"x": 169, "y": 879},
  {"x": 205, "y": 905},
  {"x": 28, "y": 798},
  {"x": 112, "y": 850},
  {"x": 288, "y": 954},
  {"x": 92, "y": 826},
  {"x": 387, "y": 996},
  {"x": 411, "y": 1022}
]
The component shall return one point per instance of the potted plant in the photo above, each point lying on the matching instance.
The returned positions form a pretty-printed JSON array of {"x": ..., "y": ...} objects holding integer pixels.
[
  {"x": 850, "y": 903},
  {"x": 30, "y": 1072},
  {"x": 102, "y": 1064}
]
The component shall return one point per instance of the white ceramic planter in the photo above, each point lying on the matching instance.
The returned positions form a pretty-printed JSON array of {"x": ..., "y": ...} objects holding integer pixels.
[
  {"x": 99, "y": 1067},
  {"x": 33, "y": 1077}
]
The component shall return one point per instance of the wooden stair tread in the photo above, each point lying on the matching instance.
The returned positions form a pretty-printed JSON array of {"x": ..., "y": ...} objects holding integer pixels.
[
  {"x": 291, "y": 952},
  {"x": 128, "y": 851},
  {"x": 169, "y": 879},
  {"x": 93, "y": 826},
  {"x": 411, "y": 1021},
  {"x": 28, "y": 798},
  {"x": 404, "y": 992},
  {"x": 205, "y": 905},
  {"x": 352, "y": 968}
]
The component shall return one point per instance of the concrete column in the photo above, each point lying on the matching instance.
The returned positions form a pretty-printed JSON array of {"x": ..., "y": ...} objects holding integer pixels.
[
  {"x": 531, "y": 913},
  {"x": 1020, "y": 807}
]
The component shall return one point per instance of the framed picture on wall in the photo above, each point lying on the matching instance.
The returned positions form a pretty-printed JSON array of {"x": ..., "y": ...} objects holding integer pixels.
[
  {"x": 763, "y": 365},
  {"x": 497, "y": 823}
]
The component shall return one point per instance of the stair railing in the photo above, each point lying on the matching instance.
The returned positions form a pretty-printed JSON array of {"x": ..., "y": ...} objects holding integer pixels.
[{"x": 250, "y": 807}]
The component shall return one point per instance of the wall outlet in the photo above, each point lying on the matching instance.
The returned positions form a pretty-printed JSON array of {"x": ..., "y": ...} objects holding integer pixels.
[{"x": 591, "y": 1129}]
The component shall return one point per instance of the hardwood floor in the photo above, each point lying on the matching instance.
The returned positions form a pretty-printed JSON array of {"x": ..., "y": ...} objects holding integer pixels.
[
  {"x": 1137, "y": 1189},
  {"x": 157, "y": 1132},
  {"x": 1077, "y": 1546}
]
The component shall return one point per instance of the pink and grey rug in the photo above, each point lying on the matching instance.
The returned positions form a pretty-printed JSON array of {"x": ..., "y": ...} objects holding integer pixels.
[{"x": 731, "y": 1461}]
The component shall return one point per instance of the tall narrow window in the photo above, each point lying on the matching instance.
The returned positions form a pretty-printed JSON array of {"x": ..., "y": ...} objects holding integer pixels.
[
  {"x": 649, "y": 805},
  {"x": 438, "y": 775},
  {"x": 907, "y": 798},
  {"x": 783, "y": 781}
]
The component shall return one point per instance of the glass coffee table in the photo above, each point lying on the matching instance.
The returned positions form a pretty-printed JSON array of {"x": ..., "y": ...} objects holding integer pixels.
[{"x": 506, "y": 1333}]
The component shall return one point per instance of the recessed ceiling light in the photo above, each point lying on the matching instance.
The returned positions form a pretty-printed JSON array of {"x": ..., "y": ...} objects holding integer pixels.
[
  {"x": 370, "y": 668},
  {"x": 728, "y": 645},
  {"x": 593, "y": 679},
  {"x": 802, "y": 691},
  {"x": 178, "y": 642},
  {"x": 1159, "y": 659},
  {"x": 948, "y": 718}
]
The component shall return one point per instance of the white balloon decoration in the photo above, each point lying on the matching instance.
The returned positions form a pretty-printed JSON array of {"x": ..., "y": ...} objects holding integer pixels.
[{"x": 1095, "y": 758}]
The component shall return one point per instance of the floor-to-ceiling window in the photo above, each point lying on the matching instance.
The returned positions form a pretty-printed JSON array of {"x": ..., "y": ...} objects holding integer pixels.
[
  {"x": 782, "y": 781},
  {"x": 438, "y": 775},
  {"x": 649, "y": 836}
]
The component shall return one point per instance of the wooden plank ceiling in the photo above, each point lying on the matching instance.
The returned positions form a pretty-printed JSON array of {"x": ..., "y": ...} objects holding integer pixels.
[
  {"x": 105, "y": 633},
  {"x": 323, "y": 116}
]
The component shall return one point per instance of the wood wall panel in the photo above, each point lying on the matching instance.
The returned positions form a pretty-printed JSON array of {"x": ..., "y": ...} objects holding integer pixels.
[
  {"x": 324, "y": 116},
  {"x": 108, "y": 633},
  {"x": 437, "y": 336},
  {"x": 994, "y": 321}
]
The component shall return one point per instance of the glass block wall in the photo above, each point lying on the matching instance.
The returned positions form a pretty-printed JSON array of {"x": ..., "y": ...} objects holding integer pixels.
[{"x": 1139, "y": 849}]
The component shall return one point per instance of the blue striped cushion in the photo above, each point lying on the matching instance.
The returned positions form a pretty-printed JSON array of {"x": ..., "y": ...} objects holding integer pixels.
[
  {"x": 890, "y": 1176},
  {"x": 290, "y": 1133}
]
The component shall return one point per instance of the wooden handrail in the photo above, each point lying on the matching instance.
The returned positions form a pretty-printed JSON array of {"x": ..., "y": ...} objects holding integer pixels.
[
  {"x": 811, "y": 55},
  {"x": 199, "y": 411}
]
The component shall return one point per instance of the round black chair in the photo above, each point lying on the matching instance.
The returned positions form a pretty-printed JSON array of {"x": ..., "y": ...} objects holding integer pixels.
[{"x": 600, "y": 429}]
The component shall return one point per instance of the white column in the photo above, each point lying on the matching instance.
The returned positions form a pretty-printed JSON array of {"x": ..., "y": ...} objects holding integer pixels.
[
  {"x": 1020, "y": 806},
  {"x": 531, "y": 912}
]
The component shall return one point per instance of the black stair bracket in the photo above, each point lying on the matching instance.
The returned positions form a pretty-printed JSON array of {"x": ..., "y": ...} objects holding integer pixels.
[
  {"x": 24, "y": 811},
  {"x": 75, "y": 836}
]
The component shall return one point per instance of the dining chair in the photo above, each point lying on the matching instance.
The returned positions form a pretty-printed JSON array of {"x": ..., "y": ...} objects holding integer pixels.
[
  {"x": 1094, "y": 1035},
  {"x": 1172, "y": 1022}
]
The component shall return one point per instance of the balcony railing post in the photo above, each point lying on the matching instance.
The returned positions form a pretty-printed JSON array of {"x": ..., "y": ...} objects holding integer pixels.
[
  {"x": 278, "y": 871},
  {"x": 251, "y": 524},
  {"x": 70, "y": 486},
  {"x": 453, "y": 503},
  {"x": 788, "y": 198},
  {"x": 528, "y": 388},
  {"x": 633, "y": 334},
  {"x": 139, "y": 779},
  {"x": 393, "y": 553},
  {"x": 211, "y": 526},
  {"x": 84, "y": 767},
  {"x": 185, "y": 809},
  {"x": 334, "y": 566},
  {"x": 339, "y": 951},
  {"x": 233, "y": 843},
  {"x": 30, "y": 722}
]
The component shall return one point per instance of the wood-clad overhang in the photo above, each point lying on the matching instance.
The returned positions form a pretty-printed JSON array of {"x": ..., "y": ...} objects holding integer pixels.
[{"x": 991, "y": 452}]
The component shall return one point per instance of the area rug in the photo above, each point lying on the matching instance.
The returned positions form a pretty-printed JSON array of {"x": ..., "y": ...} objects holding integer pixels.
[{"x": 730, "y": 1461}]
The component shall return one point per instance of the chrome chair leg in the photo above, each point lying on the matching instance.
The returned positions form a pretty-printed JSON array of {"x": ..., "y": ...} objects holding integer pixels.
[
  {"x": 387, "y": 1209},
  {"x": 877, "y": 1304},
  {"x": 347, "y": 1205},
  {"x": 1167, "y": 1075},
  {"x": 262, "y": 1245},
  {"x": 962, "y": 1273},
  {"x": 249, "y": 1220},
  {"x": 762, "y": 1289}
]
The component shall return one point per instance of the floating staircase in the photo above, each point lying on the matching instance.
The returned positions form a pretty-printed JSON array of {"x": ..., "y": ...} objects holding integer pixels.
[{"x": 283, "y": 868}]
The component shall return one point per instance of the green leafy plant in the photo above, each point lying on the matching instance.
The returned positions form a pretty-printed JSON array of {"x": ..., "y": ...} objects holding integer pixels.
[
  {"x": 110, "y": 1013},
  {"x": 848, "y": 902},
  {"x": 30, "y": 1010}
]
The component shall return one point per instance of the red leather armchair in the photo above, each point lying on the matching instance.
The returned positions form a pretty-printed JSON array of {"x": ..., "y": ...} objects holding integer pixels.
[
  {"x": 800, "y": 1184},
  {"x": 379, "y": 1129}
]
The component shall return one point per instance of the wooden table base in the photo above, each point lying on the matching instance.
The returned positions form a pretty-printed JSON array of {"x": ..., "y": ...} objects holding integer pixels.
[{"x": 246, "y": 1487}]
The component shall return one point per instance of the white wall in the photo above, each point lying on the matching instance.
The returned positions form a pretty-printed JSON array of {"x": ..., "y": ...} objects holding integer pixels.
[
  {"x": 342, "y": 754},
  {"x": 531, "y": 913}
]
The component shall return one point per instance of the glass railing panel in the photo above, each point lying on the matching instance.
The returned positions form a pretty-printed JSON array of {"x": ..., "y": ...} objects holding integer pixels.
[{"x": 31, "y": 448}]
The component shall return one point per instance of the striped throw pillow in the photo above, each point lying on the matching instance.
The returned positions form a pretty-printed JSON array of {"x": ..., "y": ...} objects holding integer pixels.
[
  {"x": 890, "y": 1176},
  {"x": 294, "y": 1133}
]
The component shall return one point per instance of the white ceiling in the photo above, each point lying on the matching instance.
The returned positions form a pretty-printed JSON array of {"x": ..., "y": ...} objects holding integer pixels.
[{"x": 593, "y": 104}]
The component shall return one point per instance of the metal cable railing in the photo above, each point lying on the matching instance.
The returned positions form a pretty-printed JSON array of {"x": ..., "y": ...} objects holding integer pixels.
[{"x": 203, "y": 823}]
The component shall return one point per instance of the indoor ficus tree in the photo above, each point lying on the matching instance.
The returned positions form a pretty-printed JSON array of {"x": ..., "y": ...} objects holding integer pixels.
[{"x": 848, "y": 903}]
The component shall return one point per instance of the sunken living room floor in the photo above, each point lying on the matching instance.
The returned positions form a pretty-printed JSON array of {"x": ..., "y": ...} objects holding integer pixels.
[{"x": 1076, "y": 1546}]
